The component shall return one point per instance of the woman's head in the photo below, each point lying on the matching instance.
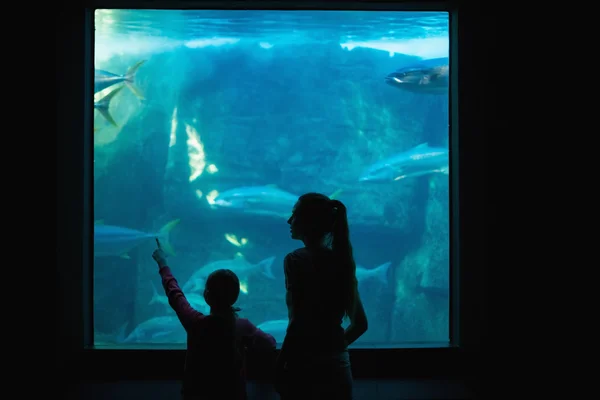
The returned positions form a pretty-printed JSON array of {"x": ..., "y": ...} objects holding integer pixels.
[
  {"x": 313, "y": 217},
  {"x": 222, "y": 290},
  {"x": 316, "y": 219}
]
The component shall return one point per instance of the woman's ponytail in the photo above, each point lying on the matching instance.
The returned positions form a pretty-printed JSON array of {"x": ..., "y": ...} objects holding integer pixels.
[{"x": 342, "y": 248}]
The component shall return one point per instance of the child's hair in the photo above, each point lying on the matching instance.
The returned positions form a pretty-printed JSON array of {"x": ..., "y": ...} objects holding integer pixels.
[{"x": 221, "y": 291}]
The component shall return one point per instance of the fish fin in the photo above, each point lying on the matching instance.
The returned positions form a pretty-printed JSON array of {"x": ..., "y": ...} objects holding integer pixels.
[
  {"x": 266, "y": 265},
  {"x": 382, "y": 271},
  {"x": 105, "y": 102},
  {"x": 106, "y": 114},
  {"x": 155, "y": 296},
  {"x": 129, "y": 77},
  {"x": 164, "y": 235},
  {"x": 99, "y": 222},
  {"x": 106, "y": 99},
  {"x": 125, "y": 256},
  {"x": 121, "y": 333},
  {"x": 335, "y": 194}
]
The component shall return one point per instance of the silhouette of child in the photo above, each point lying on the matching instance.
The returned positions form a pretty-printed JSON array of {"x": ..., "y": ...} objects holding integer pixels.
[
  {"x": 321, "y": 288},
  {"x": 214, "y": 364}
]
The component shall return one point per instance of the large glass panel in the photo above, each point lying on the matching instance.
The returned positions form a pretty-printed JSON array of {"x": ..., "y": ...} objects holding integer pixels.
[{"x": 208, "y": 126}]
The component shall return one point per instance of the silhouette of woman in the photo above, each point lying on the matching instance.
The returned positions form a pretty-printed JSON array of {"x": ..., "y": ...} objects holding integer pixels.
[{"x": 321, "y": 289}]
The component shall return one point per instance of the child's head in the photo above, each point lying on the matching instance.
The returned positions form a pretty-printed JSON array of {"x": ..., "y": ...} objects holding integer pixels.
[{"x": 222, "y": 290}]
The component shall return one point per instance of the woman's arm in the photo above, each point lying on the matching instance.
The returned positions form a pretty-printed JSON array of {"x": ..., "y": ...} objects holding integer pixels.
[
  {"x": 358, "y": 323},
  {"x": 185, "y": 312},
  {"x": 289, "y": 287}
]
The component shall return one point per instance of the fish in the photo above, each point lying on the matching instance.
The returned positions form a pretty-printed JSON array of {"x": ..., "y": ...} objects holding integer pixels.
[
  {"x": 379, "y": 272},
  {"x": 427, "y": 77},
  {"x": 196, "y": 300},
  {"x": 103, "y": 105},
  {"x": 268, "y": 200},
  {"x": 418, "y": 161},
  {"x": 156, "y": 330},
  {"x": 239, "y": 265},
  {"x": 104, "y": 79},
  {"x": 276, "y": 328},
  {"x": 117, "y": 241}
]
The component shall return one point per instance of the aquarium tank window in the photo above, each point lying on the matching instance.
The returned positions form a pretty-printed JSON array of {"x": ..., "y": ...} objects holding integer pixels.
[{"x": 208, "y": 125}]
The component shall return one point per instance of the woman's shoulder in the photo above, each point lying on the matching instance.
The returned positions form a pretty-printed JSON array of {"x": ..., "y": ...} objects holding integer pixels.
[{"x": 297, "y": 255}]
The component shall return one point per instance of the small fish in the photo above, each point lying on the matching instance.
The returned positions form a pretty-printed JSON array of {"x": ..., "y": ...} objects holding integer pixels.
[
  {"x": 103, "y": 105},
  {"x": 231, "y": 238},
  {"x": 380, "y": 273},
  {"x": 104, "y": 79},
  {"x": 427, "y": 77},
  {"x": 418, "y": 161},
  {"x": 118, "y": 241},
  {"x": 239, "y": 265}
]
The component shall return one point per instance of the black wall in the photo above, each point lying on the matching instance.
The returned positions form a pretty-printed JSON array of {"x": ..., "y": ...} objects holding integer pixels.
[{"x": 467, "y": 362}]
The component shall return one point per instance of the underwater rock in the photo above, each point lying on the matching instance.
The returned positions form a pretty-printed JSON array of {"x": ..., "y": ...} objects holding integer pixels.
[
  {"x": 435, "y": 276},
  {"x": 416, "y": 315},
  {"x": 422, "y": 279}
]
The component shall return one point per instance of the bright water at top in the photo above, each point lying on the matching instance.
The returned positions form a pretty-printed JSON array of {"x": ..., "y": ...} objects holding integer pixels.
[{"x": 119, "y": 32}]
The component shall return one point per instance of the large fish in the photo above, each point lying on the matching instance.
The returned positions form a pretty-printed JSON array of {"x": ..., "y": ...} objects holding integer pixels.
[
  {"x": 117, "y": 241},
  {"x": 418, "y": 161},
  {"x": 104, "y": 79},
  {"x": 239, "y": 265},
  {"x": 103, "y": 105},
  {"x": 196, "y": 300},
  {"x": 427, "y": 76},
  {"x": 157, "y": 330},
  {"x": 259, "y": 200},
  {"x": 379, "y": 273}
]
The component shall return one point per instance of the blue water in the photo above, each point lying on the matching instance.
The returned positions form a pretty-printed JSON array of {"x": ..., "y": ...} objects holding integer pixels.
[{"x": 263, "y": 107}]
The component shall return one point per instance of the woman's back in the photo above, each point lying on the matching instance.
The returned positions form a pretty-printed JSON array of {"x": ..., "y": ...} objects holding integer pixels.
[{"x": 315, "y": 300}]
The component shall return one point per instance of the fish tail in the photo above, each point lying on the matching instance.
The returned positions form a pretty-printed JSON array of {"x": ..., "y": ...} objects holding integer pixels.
[
  {"x": 129, "y": 78},
  {"x": 335, "y": 194},
  {"x": 164, "y": 235},
  {"x": 381, "y": 272},
  {"x": 155, "y": 296},
  {"x": 121, "y": 333},
  {"x": 266, "y": 265},
  {"x": 104, "y": 108}
]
